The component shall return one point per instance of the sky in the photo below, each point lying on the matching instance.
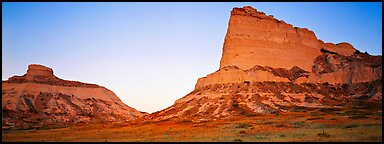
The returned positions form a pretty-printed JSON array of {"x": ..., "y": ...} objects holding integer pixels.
[{"x": 151, "y": 54}]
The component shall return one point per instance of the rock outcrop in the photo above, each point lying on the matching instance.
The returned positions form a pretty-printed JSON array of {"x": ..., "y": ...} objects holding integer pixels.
[
  {"x": 233, "y": 74},
  {"x": 255, "y": 39},
  {"x": 269, "y": 66},
  {"x": 40, "y": 99},
  {"x": 335, "y": 68},
  {"x": 254, "y": 98},
  {"x": 39, "y": 70}
]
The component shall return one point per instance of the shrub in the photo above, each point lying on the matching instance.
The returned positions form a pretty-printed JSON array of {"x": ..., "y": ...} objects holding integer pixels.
[
  {"x": 243, "y": 125},
  {"x": 359, "y": 116},
  {"x": 351, "y": 126},
  {"x": 237, "y": 140},
  {"x": 297, "y": 124},
  {"x": 314, "y": 114},
  {"x": 323, "y": 134},
  {"x": 315, "y": 118},
  {"x": 327, "y": 110}
]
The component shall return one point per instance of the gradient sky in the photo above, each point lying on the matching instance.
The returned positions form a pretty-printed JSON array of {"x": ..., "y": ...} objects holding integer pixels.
[{"x": 151, "y": 54}]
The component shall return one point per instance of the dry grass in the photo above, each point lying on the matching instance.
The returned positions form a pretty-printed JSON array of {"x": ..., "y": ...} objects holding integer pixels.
[{"x": 291, "y": 126}]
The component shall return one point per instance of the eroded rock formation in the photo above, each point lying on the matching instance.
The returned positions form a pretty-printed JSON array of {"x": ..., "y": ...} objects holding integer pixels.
[
  {"x": 254, "y": 98},
  {"x": 40, "y": 99},
  {"x": 269, "y": 66},
  {"x": 255, "y": 39}
]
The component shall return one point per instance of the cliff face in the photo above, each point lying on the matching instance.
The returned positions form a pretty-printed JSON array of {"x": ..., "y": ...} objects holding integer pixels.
[
  {"x": 255, "y": 39},
  {"x": 269, "y": 66},
  {"x": 334, "y": 68},
  {"x": 40, "y": 99}
]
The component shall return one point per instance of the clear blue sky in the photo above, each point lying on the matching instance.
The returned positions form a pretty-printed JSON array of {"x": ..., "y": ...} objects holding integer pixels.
[{"x": 151, "y": 54}]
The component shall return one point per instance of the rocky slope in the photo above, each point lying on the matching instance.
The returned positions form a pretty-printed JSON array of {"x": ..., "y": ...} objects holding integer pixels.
[
  {"x": 269, "y": 66},
  {"x": 253, "y": 98},
  {"x": 329, "y": 67},
  {"x": 40, "y": 99}
]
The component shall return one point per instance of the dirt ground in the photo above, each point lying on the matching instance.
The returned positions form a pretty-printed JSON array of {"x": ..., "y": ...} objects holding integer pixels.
[{"x": 326, "y": 124}]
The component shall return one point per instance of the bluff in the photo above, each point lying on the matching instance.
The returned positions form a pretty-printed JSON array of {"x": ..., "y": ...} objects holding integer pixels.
[
  {"x": 254, "y": 39},
  {"x": 40, "y": 99},
  {"x": 269, "y": 66}
]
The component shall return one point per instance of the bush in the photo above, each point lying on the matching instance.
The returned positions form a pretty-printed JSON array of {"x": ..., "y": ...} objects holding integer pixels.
[
  {"x": 359, "y": 116},
  {"x": 297, "y": 124},
  {"x": 237, "y": 140},
  {"x": 327, "y": 110},
  {"x": 235, "y": 104},
  {"x": 351, "y": 126},
  {"x": 315, "y": 118},
  {"x": 243, "y": 125},
  {"x": 314, "y": 114},
  {"x": 323, "y": 134},
  {"x": 281, "y": 125}
]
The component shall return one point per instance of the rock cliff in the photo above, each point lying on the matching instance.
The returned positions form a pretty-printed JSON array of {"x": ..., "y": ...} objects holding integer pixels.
[
  {"x": 255, "y": 39},
  {"x": 269, "y": 66},
  {"x": 40, "y": 99}
]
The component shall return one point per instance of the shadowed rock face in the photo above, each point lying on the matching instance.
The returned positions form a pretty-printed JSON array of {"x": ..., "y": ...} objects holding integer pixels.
[
  {"x": 231, "y": 74},
  {"x": 269, "y": 66},
  {"x": 334, "y": 68},
  {"x": 40, "y": 99}
]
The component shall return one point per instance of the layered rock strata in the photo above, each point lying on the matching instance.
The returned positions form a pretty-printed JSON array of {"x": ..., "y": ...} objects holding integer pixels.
[
  {"x": 40, "y": 99},
  {"x": 254, "y": 98},
  {"x": 255, "y": 39},
  {"x": 269, "y": 66}
]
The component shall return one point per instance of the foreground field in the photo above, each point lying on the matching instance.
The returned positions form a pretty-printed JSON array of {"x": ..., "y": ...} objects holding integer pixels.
[{"x": 357, "y": 124}]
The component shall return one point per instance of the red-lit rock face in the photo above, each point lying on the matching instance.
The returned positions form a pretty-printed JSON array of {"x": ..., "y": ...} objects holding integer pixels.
[
  {"x": 254, "y": 38},
  {"x": 39, "y": 70},
  {"x": 269, "y": 66},
  {"x": 41, "y": 99}
]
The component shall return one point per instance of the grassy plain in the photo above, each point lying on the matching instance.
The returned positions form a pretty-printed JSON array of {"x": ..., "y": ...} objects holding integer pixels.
[{"x": 326, "y": 124}]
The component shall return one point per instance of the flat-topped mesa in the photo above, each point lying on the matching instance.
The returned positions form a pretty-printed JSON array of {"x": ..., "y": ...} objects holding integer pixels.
[
  {"x": 254, "y": 38},
  {"x": 39, "y": 70}
]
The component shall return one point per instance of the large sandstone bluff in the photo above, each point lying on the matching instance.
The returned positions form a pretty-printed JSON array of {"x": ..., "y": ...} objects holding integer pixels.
[
  {"x": 40, "y": 99},
  {"x": 269, "y": 66},
  {"x": 255, "y": 40}
]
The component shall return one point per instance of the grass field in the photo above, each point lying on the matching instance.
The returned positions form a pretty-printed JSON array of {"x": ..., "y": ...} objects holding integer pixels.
[{"x": 357, "y": 124}]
